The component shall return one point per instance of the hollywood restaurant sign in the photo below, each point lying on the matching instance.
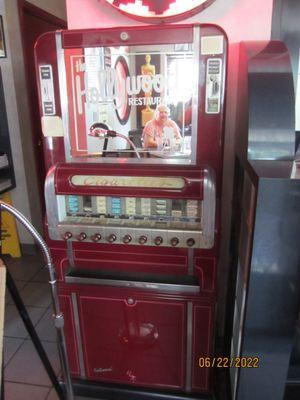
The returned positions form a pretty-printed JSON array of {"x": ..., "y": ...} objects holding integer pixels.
[{"x": 117, "y": 90}]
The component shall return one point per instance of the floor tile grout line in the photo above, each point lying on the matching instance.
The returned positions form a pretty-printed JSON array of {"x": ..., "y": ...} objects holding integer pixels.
[
  {"x": 11, "y": 357},
  {"x": 28, "y": 384},
  {"x": 23, "y": 280},
  {"x": 42, "y": 316},
  {"x": 42, "y": 341},
  {"x": 46, "y": 308},
  {"x": 36, "y": 284},
  {"x": 15, "y": 337},
  {"x": 27, "y": 305},
  {"x": 48, "y": 394},
  {"x": 45, "y": 397},
  {"x": 14, "y": 355},
  {"x": 23, "y": 325},
  {"x": 41, "y": 269},
  {"x": 29, "y": 339}
]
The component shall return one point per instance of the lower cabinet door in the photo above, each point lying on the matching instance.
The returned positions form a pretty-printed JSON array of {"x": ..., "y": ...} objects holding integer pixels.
[{"x": 134, "y": 341}]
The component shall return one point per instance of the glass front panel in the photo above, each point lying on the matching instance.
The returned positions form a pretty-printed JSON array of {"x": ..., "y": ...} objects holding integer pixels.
[
  {"x": 157, "y": 213},
  {"x": 133, "y": 101}
]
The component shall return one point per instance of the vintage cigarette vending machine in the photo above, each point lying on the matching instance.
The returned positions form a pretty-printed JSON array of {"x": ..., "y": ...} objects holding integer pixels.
[{"x": 133, "y": 124}]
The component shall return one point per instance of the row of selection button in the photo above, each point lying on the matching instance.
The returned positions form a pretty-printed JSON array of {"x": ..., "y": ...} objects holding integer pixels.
[{"x": 96, "y": 237}]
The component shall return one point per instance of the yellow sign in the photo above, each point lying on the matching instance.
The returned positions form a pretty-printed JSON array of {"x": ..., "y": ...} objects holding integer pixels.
[
  {"x": 2, "y": 303},
  {"x": 9, "y": 234}
]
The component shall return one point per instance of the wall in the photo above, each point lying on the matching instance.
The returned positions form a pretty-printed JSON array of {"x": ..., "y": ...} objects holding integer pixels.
[
  {"x": 20, "y": 194},
  {"x": 25, "y": 195},
  {"x": 242, "y": 20},
  {"x": 54, "y": 7}
]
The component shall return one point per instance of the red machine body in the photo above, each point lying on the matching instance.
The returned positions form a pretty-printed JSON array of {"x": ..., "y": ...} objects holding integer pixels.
[{"x": 135, "y": 240}]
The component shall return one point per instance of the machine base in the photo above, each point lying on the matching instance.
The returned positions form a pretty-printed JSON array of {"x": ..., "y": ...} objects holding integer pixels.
[{"x": 121, "y": 392}]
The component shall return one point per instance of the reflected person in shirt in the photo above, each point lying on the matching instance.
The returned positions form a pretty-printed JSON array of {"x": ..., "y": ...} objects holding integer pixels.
[{"x": 161, "y": 131}]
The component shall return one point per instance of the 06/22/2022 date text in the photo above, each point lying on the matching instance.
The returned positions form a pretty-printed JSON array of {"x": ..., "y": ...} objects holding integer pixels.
[{"x": 228, "y": 362}]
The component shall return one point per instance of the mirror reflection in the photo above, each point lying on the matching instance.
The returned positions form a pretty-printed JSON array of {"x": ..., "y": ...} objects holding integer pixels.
[{"x": 134, "y": 101}]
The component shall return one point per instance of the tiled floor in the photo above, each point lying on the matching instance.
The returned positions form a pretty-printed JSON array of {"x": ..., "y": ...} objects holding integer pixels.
[{"x": 24, "y": 375}]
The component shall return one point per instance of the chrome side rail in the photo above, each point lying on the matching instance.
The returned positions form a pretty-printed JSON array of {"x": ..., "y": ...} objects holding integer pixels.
[{"x": 209, "y": 208}]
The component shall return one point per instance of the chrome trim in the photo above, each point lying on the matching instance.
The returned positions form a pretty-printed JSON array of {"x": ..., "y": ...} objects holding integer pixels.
[
  {"x": 121, "y": 161},
  {"x": 270, "y": 127},
  {"x": 189, "y": 347},
  {"x": 151, "y": 286},
  {"x": 201, "y": 242},
  {"x": 209, "y": 207},
  {"x": 70, "y": 253},
  {"x": 209, "y": 83},
  {"x": 63, "y": 93},
  {"x": 195, "y": 99},
  {"x": 51, "y": 201},
  {"x": 58, "y": 232},
  {"x": 190, "y": 256},
  {"x": 78, "y": 335}
]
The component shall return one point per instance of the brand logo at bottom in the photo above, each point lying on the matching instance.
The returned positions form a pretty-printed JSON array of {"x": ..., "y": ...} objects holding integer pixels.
[{"x": 100, "y": 370}]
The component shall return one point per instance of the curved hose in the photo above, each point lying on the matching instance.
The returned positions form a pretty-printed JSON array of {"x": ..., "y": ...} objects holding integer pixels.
[{"x": 59, "y": 319}]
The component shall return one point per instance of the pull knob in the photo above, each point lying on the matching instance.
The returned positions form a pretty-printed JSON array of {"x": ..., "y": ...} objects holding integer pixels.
[
  {"x": 158, "y": 240},
  {"x": 174, "y": 241},
  {"x": 96, "y": 237},
  {"x": 112, "y": 238},
  {"x": 130, "y": 301},
  {"x": 127, "y": 239},
  {"x": 190, "y": 242},
  {"x": 81, "y": 236},
  {"x": 142, "y": 239},
  {"x": 67, "y": 235}
]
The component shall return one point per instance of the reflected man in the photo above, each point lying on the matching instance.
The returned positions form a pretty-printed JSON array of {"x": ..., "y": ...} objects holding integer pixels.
[{"x": 161, "y": 131}]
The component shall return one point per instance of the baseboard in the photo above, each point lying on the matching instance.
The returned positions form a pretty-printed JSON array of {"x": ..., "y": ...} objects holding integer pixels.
[
  {"x": 292, "y": 391},
  {"x": 112, "y": 392}
]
